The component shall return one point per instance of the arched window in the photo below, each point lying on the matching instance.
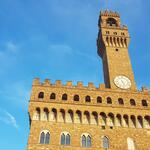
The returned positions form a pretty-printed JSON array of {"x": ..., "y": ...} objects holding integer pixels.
[
  {"x": 37, "y": 114},
  {"x": 62, "y": 139},
  {"x": 144, "y": 103},
  {"x": 105, "y": 142},
  {"x": 109, "y": 101},
  {"x": 86, "y": 140},
  {"x": 53, "y": 96},
  {"x": 42, "y": 138},
  {"x": 65, "y": 138},
  {"x": 87, "y": 99},
  {"x": 76, "y": 98},
  {"x": 131, "y": 144},
  {"x": 41, "y": 95},
  {"x": 64, "y": 97},
  {"x": 45, "y": 137},
  {"x": 132, "y": 102},
  {"x": 83, "y": 141},
  {"x": 120, "y": 101},
  {"x": 99, "y": 99},
  {"x": 111, "y": 22}
]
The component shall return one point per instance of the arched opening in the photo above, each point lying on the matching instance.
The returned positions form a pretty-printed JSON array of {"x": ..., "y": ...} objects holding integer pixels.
[
  {"x": 86, "y": 117},
  {"x": 133, "y": 121},
  {"x": 99, "y": 99},
  {"x": 147, "y": 122},
  {"x": 109, "y": 100},
  {"x": 83, "y": 141},
  {"x": 41, "y": 95},
  {"x": 53, "y": 96},
  {"x": 86, "y": 140},
  {"x": 62, "y": 115},
  {"x": 105, "y": 142},
  {"x": 126, "y": 121},
  {"x": 132, "y": 102},
  {"x": 120, "y": 101},
  {"x": 65, "y": 138},
  {"x": 110, "y": 121},
  {"x": 76, "y": 98},
  {"x": 103, "y": 118},
  {"x": 118, "y": 120},
  {"x": 94, "y": 118},
  {"x": 111, "y": 22},
  {"x": 144, "y": 103},
  {"x": 78, "y": 117},
  {"x": 54, "y": 115},
  {"x": 87, "y": 99},
  {"x": 47, "y": 139},
  {"x": 45, "y": 114},
  {"x": 64, "y": 97},
  {"x": 44, "y": 137},
  {"x": 69, "y": 118},
  {"x": 140, "y": 121},
  {"x": 37, "y": 114}
]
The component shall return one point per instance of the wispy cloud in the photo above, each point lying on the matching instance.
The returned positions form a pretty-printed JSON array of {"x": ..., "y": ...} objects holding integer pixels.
[
  {"x": 8, "y": 119},
  {"x": 68, "y": 50},
  {"x": 11, "y": 46}
]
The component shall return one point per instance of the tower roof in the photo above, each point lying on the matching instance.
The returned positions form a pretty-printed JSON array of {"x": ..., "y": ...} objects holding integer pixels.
[{"x": 109, "y": 13}]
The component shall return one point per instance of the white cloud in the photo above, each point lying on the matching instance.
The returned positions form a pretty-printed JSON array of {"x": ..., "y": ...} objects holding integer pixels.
[
  {"x": 11, "y": 47},
  {"x": 8, "y": 118}
]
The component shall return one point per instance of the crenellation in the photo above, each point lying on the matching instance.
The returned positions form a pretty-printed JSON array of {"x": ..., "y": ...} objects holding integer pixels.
[
  {"x": 47, "y": 82},
  {"x": 36, "y": 81},
  {"x": 109, "y": 13},
  {"x": 58, "y": 83},
  {"x": 69, "y": 84}
]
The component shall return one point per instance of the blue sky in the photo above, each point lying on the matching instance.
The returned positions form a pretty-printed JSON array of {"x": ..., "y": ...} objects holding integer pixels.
[{"x": 56, "y": 39}]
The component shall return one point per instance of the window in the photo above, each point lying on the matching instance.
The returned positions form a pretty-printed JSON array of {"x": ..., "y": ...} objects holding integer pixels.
[
  {"x": 144, "y": 103},
  {"x": 76, "y": 98},
  {"x": 64, "y": 97},
  {"x": 86, "y": 140},
  {"x": 120, "y": 101},
  {"x": 132, "y": 102},
  {"x": 44, "y": 137},
  {"x": 131, "y": 144},
  {"x": 109, "y": 101},
  {"x": 105, "y": 142},
  {"x": 65, "y": 138},
  {"x": 53, "y": 96},
  {"x": 41, "y": 95},
  {"x": 107, "y": 32},
  {"x": 115, "y": 33},
  {"x": 111, "y": 22},
  {"x": 87, "y": 99},
  {"x": 99, "y": 99}
]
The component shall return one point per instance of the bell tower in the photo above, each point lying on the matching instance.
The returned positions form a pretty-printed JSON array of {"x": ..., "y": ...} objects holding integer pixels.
[{"x": 113, "y": 41}]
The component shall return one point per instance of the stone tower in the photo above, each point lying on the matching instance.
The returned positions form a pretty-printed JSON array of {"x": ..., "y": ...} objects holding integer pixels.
[
  {"x": 113, "y": 41},
  {"x": 113, "y": 116}
]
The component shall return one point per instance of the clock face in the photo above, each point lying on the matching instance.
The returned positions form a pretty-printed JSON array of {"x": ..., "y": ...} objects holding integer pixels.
[{"x": 122, "y": 82}]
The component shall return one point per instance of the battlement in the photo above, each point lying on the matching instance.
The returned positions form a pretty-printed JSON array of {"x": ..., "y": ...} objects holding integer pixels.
[
  {"x": 109, "y": 13},
  {"x": 69, "y": 84},
  {"x": 79, "y": 85}
]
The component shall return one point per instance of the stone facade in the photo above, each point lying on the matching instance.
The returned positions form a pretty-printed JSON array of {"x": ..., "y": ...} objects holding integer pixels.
[{"x": 121, "y": 116}]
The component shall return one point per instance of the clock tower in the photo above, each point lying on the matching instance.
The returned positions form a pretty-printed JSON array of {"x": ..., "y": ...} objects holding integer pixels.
[{"x": 113, "y": 41}]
